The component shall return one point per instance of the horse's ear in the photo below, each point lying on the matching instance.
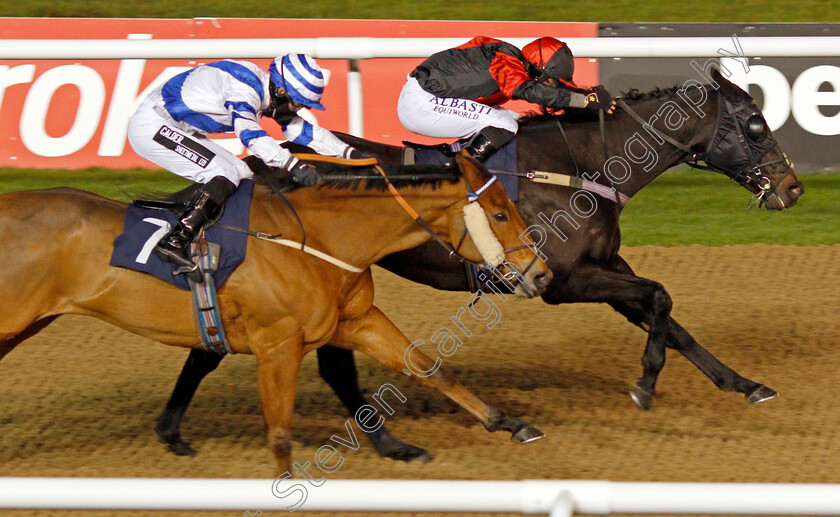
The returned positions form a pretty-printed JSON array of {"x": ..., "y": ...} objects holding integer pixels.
[
  {"x": 730, "y": 90},
  {"x": 470, "y": 167},
  {"x": 721, "y": 79}
]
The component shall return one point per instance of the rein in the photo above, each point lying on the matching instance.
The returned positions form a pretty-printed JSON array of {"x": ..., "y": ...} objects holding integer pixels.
[
  {"x": 679, "y": 145},
  {"x": 414, "y": 215},
  {"x": 276, "y": 238},
  {"x": 453, "y": 252},
  {"x": 363, "y": 162},
  {"x": 512, "y": 272}
]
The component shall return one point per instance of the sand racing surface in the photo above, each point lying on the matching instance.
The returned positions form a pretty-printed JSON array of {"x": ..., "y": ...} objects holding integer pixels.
[{"x": 81, "y": 398}]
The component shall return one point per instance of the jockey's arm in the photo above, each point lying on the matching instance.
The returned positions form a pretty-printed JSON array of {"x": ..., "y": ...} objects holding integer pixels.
[
  {"x": 564, "y": 95},
  {"x": 515, "y": 83},
  {"x": 550, "y": 96},
  {"x": 259, "y": 143},
  {"x": 319, "y": 139}
]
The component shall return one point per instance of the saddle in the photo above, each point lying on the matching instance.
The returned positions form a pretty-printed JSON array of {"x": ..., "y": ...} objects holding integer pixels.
[
  {"x": 220, "y": 252},
  {"x": 448, "y": 150},
  {"x": 502, "y": 160},
  {"x": 152, "y": 204}
]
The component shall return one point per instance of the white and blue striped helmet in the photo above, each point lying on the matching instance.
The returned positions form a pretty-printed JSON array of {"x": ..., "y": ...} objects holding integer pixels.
[{"x": 301, "y": 77}]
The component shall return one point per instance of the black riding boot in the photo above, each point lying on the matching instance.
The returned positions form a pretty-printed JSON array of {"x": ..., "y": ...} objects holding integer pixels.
[
  {"x": 487, "y": 141},
  {"x": 205, "y": 205}
]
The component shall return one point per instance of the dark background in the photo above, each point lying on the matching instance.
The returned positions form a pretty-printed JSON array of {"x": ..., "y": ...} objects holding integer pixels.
[{"x": 809, "y": 152}]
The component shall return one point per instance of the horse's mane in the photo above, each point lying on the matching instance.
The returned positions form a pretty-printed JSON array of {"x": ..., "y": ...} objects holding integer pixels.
[
  {"x": 280, "y": 180},
  {"x": 420, "y": 175},
  {"x": 631, "y": 97}
]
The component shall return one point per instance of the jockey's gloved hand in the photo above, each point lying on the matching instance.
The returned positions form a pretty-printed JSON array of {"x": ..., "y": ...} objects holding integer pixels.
[
  {"x": 599, "y": 99},
  {"x": 355, "y": 154},
  {"x": 306, "y": 174}
]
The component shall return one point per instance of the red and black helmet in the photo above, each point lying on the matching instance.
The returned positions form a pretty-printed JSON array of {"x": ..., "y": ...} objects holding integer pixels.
[{"x": 552, "y": 57}]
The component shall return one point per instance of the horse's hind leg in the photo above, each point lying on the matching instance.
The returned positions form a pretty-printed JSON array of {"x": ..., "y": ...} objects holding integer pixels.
[
  {"x": 338, "y": 368},
  {"x": 168, "y": 427},
  {"x": 9, "y": 343},
  {"x": 376, "y": 336}
]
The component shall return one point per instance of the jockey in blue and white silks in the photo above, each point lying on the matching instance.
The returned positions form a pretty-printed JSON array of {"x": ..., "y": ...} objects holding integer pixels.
[{"x": 170, "y": 127}]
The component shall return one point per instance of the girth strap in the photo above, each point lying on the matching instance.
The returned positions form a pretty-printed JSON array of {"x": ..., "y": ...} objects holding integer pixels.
[
  {"x": 413, "y": 213},
  {"x": 206, "y": 313}
]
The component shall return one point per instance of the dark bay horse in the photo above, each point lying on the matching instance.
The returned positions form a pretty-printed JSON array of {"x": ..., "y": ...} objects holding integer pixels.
[
  {"x": 717, "y": 123},
  {"x": 280, "y": 303}
]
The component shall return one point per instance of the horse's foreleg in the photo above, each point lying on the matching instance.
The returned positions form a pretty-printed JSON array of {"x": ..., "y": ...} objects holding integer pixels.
[
  {"x": 168, "y": 427},
  {"x": 724, "y": 377},
  {"x": 593, "y": 283},
  {"x": 376, "y": 336},
  {"x": 680, "y": 340},
  {"x": 338, "y": 368},
  {"x": 653, "y": 359},
  {"x": 277, "y": 371}
]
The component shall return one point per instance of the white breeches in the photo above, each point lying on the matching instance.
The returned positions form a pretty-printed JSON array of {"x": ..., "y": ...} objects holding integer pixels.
[
  {"x": 426, "y": 114},
  {"x": 156, "y": 137}
]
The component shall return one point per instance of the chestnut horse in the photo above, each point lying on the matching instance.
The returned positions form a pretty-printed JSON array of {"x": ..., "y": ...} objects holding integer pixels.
[
  {"x": 280, "y": 303},
  {"x": 716, "y": 123}
]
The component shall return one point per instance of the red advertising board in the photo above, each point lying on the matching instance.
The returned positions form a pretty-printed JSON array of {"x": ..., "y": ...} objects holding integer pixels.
[{"x": 74, "y": 114}]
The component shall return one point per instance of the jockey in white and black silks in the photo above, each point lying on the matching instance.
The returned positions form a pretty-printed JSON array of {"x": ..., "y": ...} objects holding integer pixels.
[
  {"x": 457, "y": 93},
  {"x": 170, "y": 127}
]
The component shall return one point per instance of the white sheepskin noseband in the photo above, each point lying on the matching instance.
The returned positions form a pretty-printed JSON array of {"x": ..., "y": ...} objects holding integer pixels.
[{"x": 485, "y": 240}]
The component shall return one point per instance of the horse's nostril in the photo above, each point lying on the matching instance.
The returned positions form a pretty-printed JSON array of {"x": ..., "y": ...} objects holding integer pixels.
[
  {"x": 543, "y": 279},
  {"x": 796, "y": 190}
]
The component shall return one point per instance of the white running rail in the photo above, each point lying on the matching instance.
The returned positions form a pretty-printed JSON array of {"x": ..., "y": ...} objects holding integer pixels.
[
  {"x": 360, "y": 48},
  {"x": 554, "y": 498},
  {"x": 373, "y": 48}
]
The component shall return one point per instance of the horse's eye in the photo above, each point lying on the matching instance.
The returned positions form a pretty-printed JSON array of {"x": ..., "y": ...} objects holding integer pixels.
[
  {"x": 501, "y": 217},
  {"x": 756, "y": 128}
]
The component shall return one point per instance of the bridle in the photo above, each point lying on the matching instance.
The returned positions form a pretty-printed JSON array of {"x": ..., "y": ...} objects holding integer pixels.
[
  {"x": 507, "y": 272},
  {"x": 731, "y": 143}
]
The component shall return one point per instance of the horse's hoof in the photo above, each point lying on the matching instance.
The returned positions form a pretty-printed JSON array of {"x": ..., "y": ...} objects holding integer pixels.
[
  {"x": 760, "y": 394},
  {"x": 411, "y": 454},
  {"x": 421, "y": 458},
  {"x": 527, "y": 434},
  {"x": 390, "y": 447},
  {"x": 179, "y": 447},
  {"x": 641, "y": 396}
]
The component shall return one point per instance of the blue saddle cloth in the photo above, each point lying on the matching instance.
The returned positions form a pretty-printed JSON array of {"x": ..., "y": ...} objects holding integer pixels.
[
  {"x": 504, "y": 160},
  {"x": 144, "y": 227}
]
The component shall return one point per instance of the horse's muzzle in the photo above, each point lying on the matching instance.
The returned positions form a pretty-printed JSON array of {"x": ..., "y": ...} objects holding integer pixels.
[
  {"x": 785, "y": 196},
  {"x": 534, "y": 284}
]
